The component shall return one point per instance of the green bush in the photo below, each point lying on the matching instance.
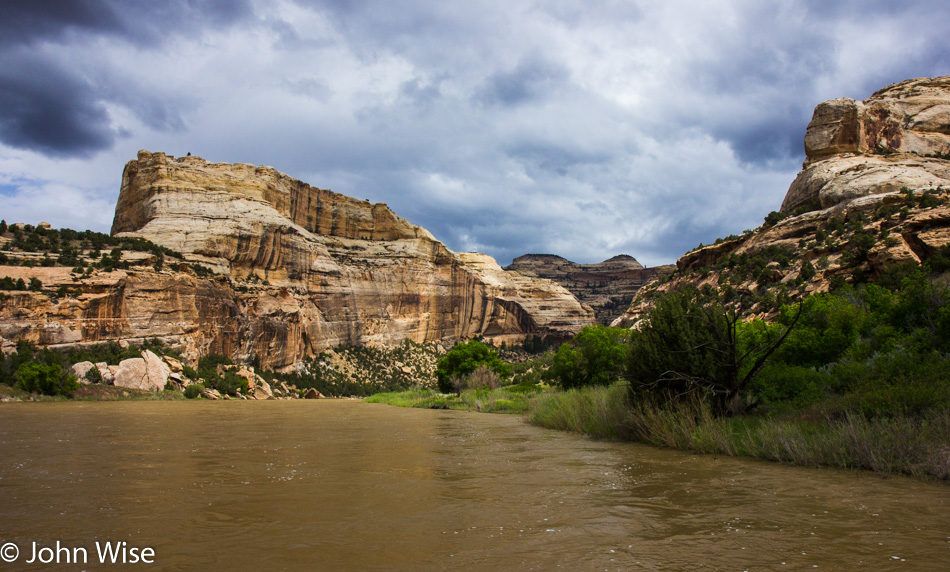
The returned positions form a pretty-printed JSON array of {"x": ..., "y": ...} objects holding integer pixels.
[
  {"x": 193, "y": 391},
  {"x": 462, "y": 361},
  {"x": 50, "y": 379},
  {"x": 693, "y": 345}
]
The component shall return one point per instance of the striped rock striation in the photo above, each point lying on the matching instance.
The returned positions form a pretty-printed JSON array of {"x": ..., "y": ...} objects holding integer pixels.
[{"x": 297, "y": 269}]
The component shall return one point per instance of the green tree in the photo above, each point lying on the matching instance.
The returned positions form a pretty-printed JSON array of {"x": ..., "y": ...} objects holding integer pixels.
[
  {"x": 462, "y": 361},
  {"x": 692, "y": 344},
  {"x": 596, "y": 356},
  {"x": 828, "y": 325}
]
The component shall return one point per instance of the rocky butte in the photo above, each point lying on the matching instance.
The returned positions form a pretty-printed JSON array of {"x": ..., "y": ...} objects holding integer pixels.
[
  {"x": 607, "y": 287},
  {"x": 297, "y": 270},
  {"x": 873, "y": 195}
]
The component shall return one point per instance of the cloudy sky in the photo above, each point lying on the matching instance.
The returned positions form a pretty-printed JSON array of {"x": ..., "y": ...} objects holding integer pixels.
[{"x": 585, "y": 128}]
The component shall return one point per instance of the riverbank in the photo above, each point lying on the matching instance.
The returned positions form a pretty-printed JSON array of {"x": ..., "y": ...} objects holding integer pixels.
[
  {"x": 899, "y": 445},
  {"x": 92, "y": 392},
  {"x": 511, "y": 399}
]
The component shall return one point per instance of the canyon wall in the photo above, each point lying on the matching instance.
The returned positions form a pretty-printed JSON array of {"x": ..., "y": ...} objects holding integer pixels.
[
  {"x": 607, "y": 287},
  {"x": 296, "y": 269}
]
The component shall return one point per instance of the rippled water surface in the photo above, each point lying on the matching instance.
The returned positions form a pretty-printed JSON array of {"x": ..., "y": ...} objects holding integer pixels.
[{"x": 343, "y": 485}]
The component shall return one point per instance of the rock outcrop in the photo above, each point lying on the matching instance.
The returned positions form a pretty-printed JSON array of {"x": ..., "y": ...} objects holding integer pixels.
[
  {"x": 297, "y": 270},
  {"x": 607, "y": 287},
  {"x": 897, "y": 138},
  {"x": 873, "y": 194}
]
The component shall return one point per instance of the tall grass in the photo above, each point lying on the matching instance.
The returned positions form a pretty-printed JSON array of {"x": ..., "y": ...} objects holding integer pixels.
[
  {"x": 500, "y": 400},
  {"x": 917, "y": 446},
  {"x": 597, "y": 411}
]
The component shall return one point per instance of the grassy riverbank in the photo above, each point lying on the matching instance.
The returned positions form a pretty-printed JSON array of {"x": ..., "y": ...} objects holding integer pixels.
[
  {"x": 914, "y": 446},
  {"x": 512, "y": 399},
  {"x": 92, "y": 392}
]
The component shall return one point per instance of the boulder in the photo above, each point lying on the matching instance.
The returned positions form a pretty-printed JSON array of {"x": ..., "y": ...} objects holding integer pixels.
[
  {"x": 105, "y": 372},
  {"x": 212, "y": 394},
  {"x": 313, "y": 394},
  {"x": 156, "y": 370},
  {"x": 147, "y": 372},
  {"x": 131, "y": 373},
  {"x": 261, "y": 393},
  {"x": 173, "y": 364},
  {"x": 81, "y": 369}
]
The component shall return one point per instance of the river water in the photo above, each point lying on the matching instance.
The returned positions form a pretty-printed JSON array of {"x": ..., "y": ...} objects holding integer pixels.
[{"x": 345, "y": 485}]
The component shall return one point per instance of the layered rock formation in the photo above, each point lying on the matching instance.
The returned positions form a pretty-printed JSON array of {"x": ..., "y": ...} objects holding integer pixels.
[
  {"x": 607, "y": 287},
  {"x": 897, "y": 138},
  {"x": 873, "y": 193},
  {"x": 299, "y": 270}
]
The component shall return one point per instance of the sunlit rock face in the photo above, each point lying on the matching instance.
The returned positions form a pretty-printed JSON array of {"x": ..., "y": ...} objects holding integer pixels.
[
  {"x": 890, "y": 141},
  {"x": 873, "y": 193},
  {"x": 303, "y": 269}
]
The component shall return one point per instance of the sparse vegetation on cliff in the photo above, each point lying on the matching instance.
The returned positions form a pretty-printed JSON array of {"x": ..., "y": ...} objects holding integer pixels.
[
  {"x": 85, "y": 252},
  {"x": 362, "y": 371}
]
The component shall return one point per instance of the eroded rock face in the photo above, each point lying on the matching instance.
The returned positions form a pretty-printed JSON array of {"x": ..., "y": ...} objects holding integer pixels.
[
  {"x": 890, "y": 141},
  {"x": 876, "y": 191},
  {"x": 607, "y": 287},
  {"x": 299, "y": 270}
]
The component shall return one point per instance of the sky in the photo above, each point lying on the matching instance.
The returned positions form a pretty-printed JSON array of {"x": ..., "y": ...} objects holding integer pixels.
[{"x": 583, "y": 128}]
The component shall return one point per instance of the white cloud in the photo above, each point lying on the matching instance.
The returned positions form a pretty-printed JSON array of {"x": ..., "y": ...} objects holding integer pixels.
[{"x": 584, "y": 129}]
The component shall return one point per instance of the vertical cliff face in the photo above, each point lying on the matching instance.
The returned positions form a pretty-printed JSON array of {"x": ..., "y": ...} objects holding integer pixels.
[
  {"x": 308, "y": 269},
  {"x": 607, "y": 287}
]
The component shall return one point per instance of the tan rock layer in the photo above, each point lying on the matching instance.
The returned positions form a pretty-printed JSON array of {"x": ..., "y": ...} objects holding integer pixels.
[
  {"x": 890, "y": 141},
  {"x": 301, "y": 270},
  {"x": 607, "y": 287}
]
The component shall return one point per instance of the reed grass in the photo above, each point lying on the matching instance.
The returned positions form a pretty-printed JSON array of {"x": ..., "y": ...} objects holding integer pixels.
[
  {"x": 498, "y": 400},
  {"x": 597, "y": 411},
  {"x": 915, "y": 446}
]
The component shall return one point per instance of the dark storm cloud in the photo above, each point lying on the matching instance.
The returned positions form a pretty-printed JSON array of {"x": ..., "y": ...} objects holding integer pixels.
[
  {"x": 50, "y": 110},
  {"x": 137, "y": 21},
  {"x": 26, "y": 21}
]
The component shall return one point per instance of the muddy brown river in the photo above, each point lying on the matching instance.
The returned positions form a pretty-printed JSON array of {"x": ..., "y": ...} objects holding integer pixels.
[{"x": 345, "y": 485}]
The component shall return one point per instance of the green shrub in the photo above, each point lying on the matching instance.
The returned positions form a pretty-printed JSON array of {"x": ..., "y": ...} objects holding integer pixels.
[
  {"x": 462, "y": 360},
  {"x": 50, "y": 379},
  {"x": 596, "y": 356}
]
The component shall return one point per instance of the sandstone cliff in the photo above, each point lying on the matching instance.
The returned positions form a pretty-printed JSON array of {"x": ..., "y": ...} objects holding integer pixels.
[
  {"x": 298, "y": 270},
  {"x": 607, "y": 287},
  {"x": 873, "y": 194},
  {"x": 898, "y": 138}
]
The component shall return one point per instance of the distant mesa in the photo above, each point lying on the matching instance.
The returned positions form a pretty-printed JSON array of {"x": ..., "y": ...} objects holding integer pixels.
[{"x": 607, "y": 287}]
